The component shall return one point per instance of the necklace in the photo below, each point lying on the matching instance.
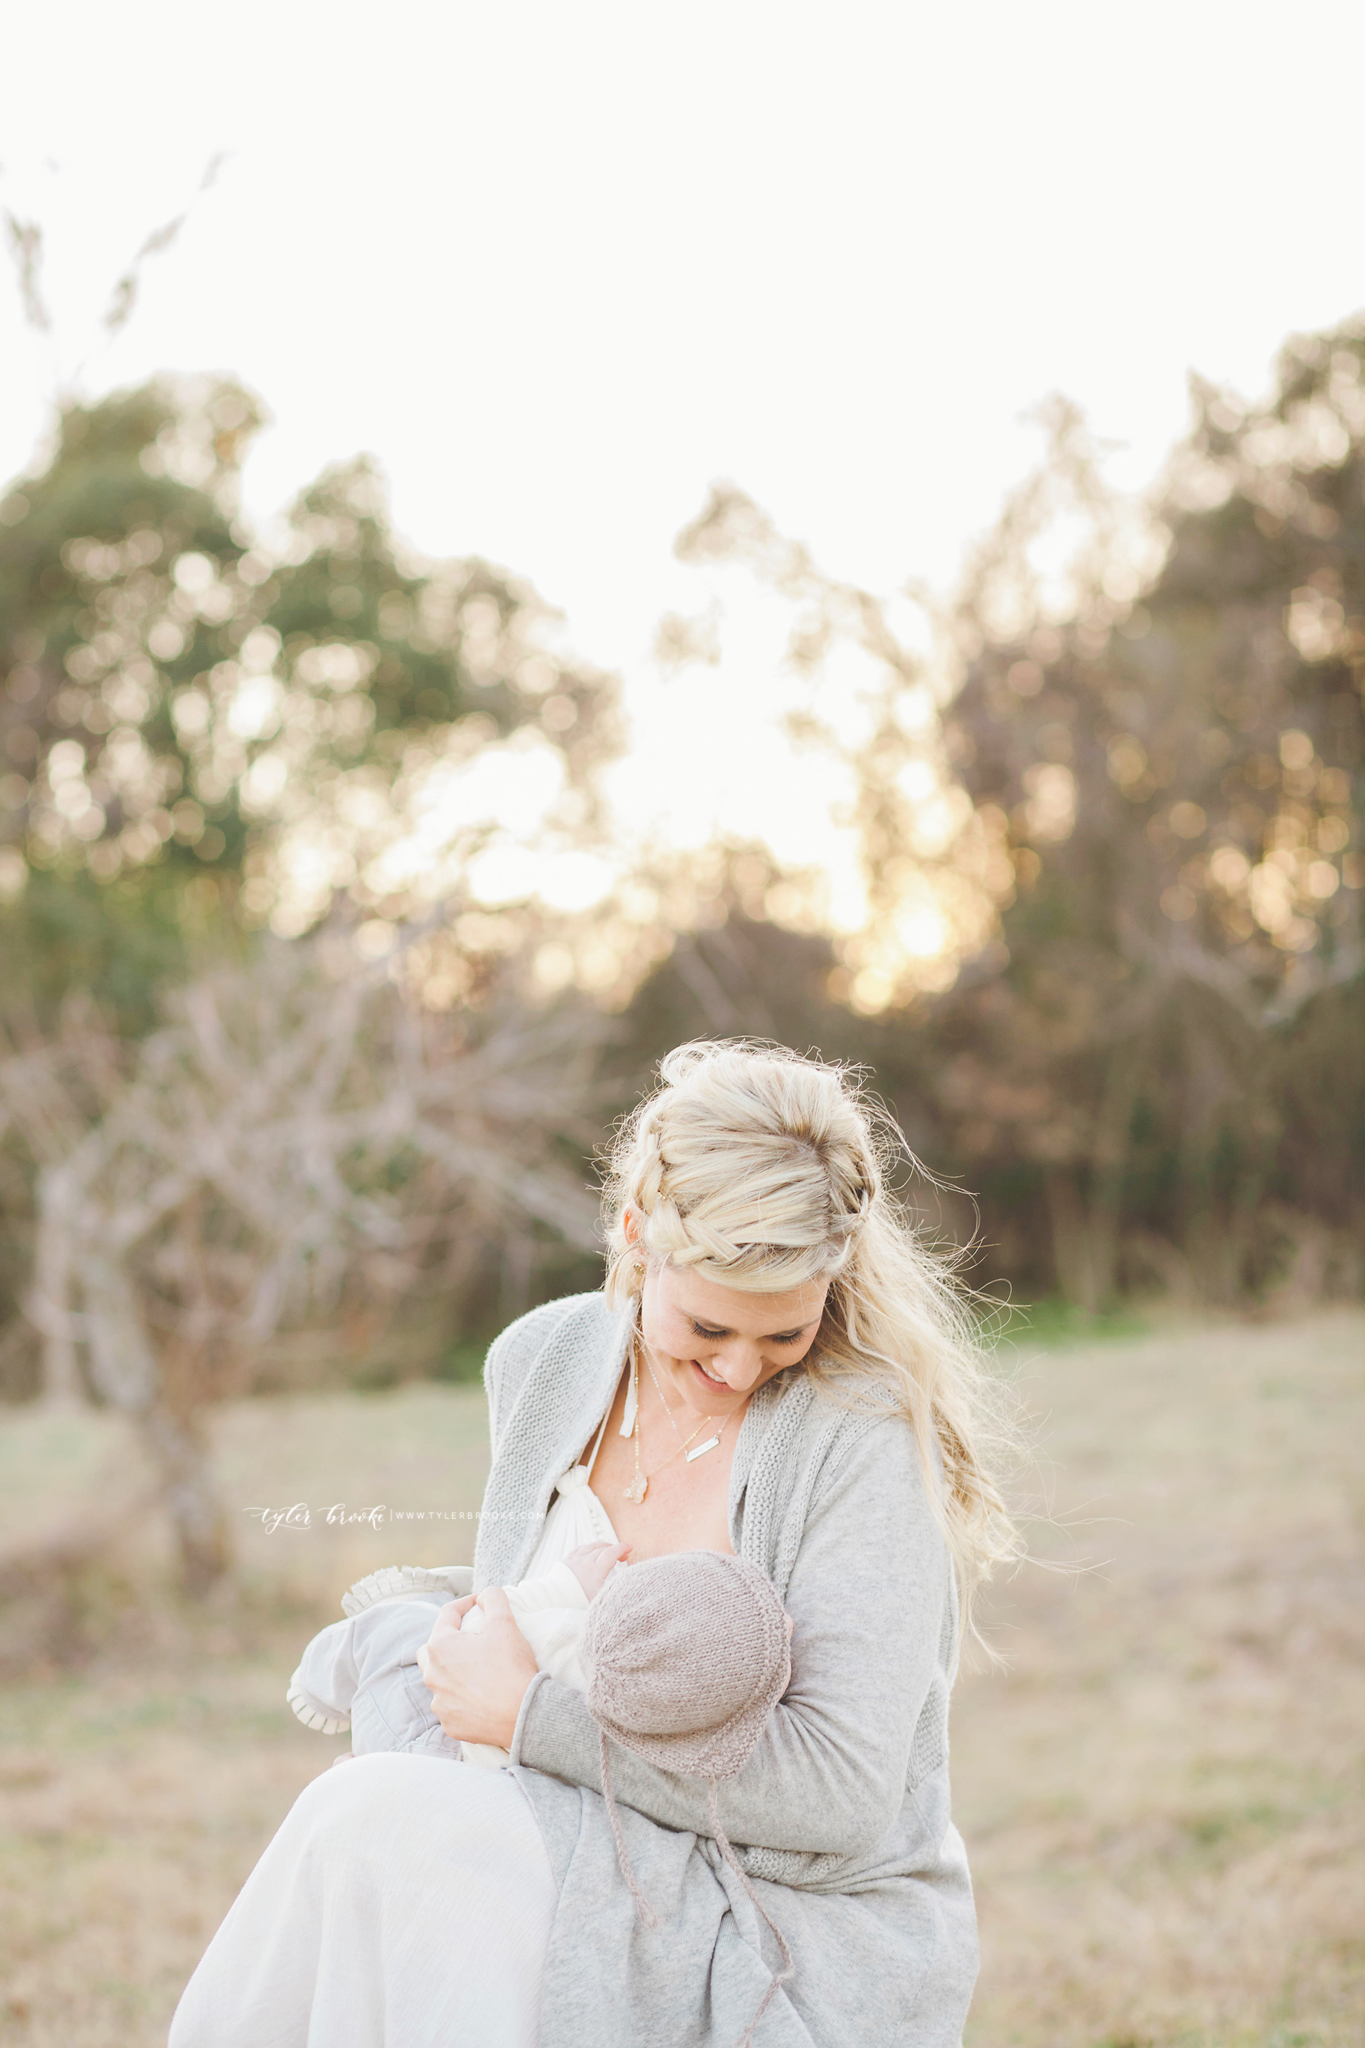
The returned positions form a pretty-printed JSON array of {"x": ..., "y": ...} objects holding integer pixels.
[
  {"x": 683, "y": 1441},
  {"x": 639, "y": 1485}
]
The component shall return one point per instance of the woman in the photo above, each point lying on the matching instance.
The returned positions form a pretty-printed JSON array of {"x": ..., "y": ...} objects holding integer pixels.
[{"x": 775, "y": 1367}]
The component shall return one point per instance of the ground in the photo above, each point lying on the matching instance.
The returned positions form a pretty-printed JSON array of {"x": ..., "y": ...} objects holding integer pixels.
[{"x": 1162, "y": 1793}]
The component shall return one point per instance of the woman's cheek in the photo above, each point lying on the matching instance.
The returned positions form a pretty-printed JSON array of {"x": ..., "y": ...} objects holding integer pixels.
[{"x": 666, "y": 1334}]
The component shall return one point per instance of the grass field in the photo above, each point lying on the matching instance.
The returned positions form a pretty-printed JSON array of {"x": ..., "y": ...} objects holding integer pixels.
[{"x": 1163, "y": 1795}]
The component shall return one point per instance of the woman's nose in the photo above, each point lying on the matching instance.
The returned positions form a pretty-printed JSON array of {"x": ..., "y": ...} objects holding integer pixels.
[{"x": 740, "y": 1364}]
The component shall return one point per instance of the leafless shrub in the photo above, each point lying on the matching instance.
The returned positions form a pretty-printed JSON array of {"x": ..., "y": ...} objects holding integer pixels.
[{"x": 296, "y": 1140}]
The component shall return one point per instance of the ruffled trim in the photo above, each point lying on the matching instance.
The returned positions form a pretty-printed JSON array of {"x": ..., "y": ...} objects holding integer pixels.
[
  {"x": 314, "y": 1716},
  {"x": 397, "y": 1582}
]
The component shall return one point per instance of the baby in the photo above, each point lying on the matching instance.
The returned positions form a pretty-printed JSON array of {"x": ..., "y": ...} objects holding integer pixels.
[
  {"x": 681, "y": 1660},
  {"x": 365, "y": 1673}
]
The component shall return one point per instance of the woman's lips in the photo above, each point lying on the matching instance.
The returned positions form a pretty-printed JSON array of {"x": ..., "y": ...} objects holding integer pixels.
[{"x": 714, "y": 1385}]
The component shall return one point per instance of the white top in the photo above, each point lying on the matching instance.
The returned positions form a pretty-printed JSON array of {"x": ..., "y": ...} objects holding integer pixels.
[
  {"x": 576, "y": 1515},
  {"x": 549, "y": 1606}
]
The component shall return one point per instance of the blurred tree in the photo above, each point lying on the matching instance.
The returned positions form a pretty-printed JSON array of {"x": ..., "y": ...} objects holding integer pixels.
[
  {"x": 740, "y": 977},
  {"x": 201, "y": 728},
  {"x": 1118, "y": 878},
  {"x": 296, "y": 1142},
  {"x": 204, "y": 730},
  {"x": 1178, "y": 782},
  {"x": 932, "y": 874},
  {"x": 733, "y": 972},
  {"x": 94, "y": 639}
]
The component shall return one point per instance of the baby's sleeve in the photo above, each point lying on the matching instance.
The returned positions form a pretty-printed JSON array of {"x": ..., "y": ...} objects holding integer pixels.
[
  {"x": 323, "y": 1687},
  {"x": 355, "y": 1662},
  {"x": 557, "y": 1587},
  {"x": 551, "y": 1611}
]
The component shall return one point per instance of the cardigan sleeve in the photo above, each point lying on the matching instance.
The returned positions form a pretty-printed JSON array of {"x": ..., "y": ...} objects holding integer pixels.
[{"x": 866, "y": 1597}]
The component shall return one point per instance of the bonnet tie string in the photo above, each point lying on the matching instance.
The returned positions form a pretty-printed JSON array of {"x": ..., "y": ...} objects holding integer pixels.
[
  {"x": 650, "y": 1918},
  {"x": 642, "y": 1905},
  {"x": 788, "y": 1970}
]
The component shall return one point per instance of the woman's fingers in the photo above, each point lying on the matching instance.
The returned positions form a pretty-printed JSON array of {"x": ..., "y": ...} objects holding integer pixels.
[
  {"x": 448, "y": 1621},
  {"x": 456, "y": 1610},
  {"x": 477, "y": 1681}
]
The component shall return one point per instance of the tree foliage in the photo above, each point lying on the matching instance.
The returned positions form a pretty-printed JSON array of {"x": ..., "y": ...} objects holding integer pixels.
[
  {"x": 201, "y": 723},
  {"x": 1137, "y": 821},
  {"x": 1110, "y": 975},
  {"x": 1179, "y": 786}
]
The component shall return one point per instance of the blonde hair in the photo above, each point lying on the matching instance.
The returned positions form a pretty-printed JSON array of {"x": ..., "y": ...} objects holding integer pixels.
[{"x": 764, "y": 1171}]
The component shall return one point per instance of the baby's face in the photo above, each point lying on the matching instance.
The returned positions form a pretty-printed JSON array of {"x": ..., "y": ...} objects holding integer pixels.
[{"x": 593, "y": 1563}]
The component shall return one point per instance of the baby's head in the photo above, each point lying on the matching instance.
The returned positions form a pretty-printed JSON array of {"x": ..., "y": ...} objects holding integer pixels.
[{"x": 686, "y": 1656}]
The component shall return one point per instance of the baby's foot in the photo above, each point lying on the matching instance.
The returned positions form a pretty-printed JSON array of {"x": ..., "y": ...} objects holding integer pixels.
[{"x": 593, "y": 1563}]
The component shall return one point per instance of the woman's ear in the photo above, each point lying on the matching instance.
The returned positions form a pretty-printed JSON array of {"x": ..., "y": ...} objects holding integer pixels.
[{"x": 630, "y": 1229}]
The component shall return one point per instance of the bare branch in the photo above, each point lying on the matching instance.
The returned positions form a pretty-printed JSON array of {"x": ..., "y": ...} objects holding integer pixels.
[
  {"x": 123, "y": 298},
  {"x": 291, "y": 1143},
  {"x": 26, "y": 251}
]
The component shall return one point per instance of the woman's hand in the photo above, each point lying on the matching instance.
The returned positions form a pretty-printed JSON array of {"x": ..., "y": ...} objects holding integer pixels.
[{"x": 478, "y": 1681}]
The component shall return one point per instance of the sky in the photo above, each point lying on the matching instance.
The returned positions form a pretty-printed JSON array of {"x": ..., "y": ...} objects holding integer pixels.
[{"x": 560, "y": 267}]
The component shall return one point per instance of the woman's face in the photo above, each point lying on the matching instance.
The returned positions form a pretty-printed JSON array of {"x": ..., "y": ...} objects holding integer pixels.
[{"x": 714, "y": 1345}]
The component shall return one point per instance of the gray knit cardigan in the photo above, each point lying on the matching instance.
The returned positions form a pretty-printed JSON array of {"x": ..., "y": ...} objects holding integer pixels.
[{"x": 841, "y": 1816}]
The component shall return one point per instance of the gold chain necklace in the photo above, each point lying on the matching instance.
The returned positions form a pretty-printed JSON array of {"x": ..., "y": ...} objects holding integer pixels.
[
  {"x": 639, "y": 1485},
  {"x": 682, "y": 1441}
]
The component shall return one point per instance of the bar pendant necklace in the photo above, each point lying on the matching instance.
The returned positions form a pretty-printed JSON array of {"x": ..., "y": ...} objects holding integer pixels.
[{"x": 700, "y": 1450}]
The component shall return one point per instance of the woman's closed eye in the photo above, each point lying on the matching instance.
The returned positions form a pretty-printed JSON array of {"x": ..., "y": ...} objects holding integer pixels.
[{"x": 781, "y": 1337}]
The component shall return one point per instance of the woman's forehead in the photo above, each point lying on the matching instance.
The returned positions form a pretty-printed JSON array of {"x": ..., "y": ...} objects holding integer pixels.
[{"x": 735, "y": 1308}]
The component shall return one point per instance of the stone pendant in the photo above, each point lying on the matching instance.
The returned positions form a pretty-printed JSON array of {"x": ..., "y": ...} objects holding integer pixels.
[{"x": 638, "y": 1488}]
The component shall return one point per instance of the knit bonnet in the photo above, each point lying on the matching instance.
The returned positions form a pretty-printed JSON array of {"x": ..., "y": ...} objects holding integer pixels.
[{"x": 686, "y": 1656}]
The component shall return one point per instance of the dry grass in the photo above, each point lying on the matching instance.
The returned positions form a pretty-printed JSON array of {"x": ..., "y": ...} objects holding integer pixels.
[
  {"x": 1162, "y": 1797},
  {"x": 138, "y": 1790}
]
